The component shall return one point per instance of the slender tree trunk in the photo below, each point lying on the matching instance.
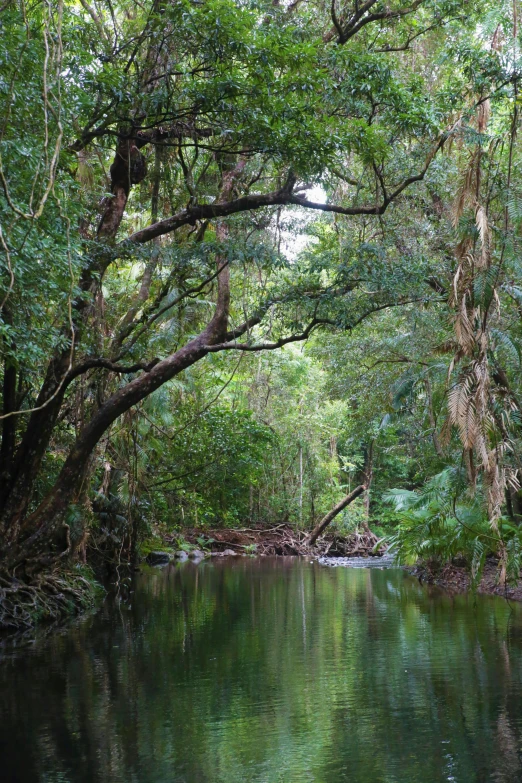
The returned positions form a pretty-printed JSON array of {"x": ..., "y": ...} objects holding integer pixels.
[
  {"x": 8, "y": 425},
  {"x": 127, "y": 321},
  {"x": 300, "y": 485},
  {"x": 368, "y": 477},
  {"x": 325, "y": 521},
  {"x": 367, "y": 505},
  {"x": 514, "y": 500},
  {"x": 509, "y": 504},
  {"x": 433, "y": 420}
]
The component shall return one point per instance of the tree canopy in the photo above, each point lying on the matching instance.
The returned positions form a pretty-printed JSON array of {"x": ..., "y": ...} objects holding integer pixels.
[{"x": 250, "y": 253}]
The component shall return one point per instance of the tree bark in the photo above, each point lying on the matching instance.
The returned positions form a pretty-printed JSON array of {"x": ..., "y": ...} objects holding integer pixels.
[
  {"x": 8, "y": 425},
  {"x": 368, "y": 477},
  {"x": 325, "y": 521},
  {"x": 27, "y": 460},
  {"x": 126, "y": 170},
  {"x": 433, "y": 420},
  {"x": 37, "y": 529}
]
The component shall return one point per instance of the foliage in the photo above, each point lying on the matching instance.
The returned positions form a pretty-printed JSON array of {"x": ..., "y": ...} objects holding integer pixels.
[
  {"x": 441, "y": 522},
  {"x": 188, "y": 193}
]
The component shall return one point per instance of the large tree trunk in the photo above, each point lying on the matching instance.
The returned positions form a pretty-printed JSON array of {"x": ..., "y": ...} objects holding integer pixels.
[
  {"x": 127, "y": 169},
  {"x": 39, "y": 526},
  {"x": 29, "y": 454},
  {"x": 8, "y": 428},
  {"x": 36, "y": 532},
  {"x": 325, "y": 521}
]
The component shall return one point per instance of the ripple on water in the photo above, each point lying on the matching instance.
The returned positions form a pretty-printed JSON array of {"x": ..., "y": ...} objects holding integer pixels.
[{"x": 271, "y": 671}]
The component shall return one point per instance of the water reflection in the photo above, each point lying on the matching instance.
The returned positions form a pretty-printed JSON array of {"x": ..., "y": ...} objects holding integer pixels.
[{"x": 271, "y": 671}]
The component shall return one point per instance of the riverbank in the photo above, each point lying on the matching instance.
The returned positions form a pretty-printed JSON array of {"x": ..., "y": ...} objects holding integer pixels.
[
  {"x": 456, "y": 578},
  {"x": 333, "y": 550}
]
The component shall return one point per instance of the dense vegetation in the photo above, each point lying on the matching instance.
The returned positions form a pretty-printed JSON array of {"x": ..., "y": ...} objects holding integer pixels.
[{"x": 253, "y": 255}]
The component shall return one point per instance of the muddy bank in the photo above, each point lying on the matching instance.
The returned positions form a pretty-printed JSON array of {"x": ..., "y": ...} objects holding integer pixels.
[
  {"x": 455, "y": 578},
  {"x": 279, "y": 540},
  {"x": 361, "y": 549}
]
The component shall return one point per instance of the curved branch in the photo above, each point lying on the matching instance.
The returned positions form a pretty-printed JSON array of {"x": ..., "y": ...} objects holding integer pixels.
[
  {"x": 337, "y": 23},
  {"x": 234, "y": 346},
  {"x": 148, "y": 320},
  {"x": 106, "y": 364},
  {"x": 294, "y": 338},
  {"x": 282, "y": 197},
  {"x": 361, "y": 18}
]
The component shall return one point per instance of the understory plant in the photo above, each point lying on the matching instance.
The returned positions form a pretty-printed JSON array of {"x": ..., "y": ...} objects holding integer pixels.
[{"x": 443, "y": 521}]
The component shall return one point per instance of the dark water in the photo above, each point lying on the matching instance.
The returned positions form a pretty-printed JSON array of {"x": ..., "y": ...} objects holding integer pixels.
[{"x": 274, "y": 672}]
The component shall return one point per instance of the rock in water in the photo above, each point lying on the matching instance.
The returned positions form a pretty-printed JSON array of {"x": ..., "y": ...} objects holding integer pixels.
[
  {"x": 196, "y": 554},
  {"x": 158, "y": 558},
  {"x": 181, "y": 555}
]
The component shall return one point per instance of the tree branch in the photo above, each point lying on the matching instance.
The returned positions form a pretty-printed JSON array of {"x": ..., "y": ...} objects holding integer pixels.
[
  {"x": 228, "y": 346},
  {"x": 97, "y": 20},
  {"x": 232, "y": 345},
  {"x": 147, "y": 322},
  {"x": 106, "y": 364},
  {"x": 361, "y": 18},
  {"x": 283, "y": 197}
]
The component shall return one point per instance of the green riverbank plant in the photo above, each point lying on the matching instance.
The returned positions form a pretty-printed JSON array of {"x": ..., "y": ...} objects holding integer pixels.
[{"x": 442, "y": 522}]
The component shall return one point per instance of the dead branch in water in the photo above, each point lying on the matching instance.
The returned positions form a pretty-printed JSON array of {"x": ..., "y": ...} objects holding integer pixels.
[{"x": 284, "y": 540}]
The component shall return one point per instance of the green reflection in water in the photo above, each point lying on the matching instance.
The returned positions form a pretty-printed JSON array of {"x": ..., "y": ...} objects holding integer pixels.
[{"x": 271, "y": 671}]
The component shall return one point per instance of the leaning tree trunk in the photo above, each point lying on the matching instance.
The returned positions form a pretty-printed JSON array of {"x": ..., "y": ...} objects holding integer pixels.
[
  {"x": 127, "y": 169},
  {"x": 325, "y": 521},
  {"x": 39, "y": 529}
]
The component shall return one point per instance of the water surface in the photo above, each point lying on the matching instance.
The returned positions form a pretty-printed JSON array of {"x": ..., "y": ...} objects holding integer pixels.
[{"x": 271, "y": 671}]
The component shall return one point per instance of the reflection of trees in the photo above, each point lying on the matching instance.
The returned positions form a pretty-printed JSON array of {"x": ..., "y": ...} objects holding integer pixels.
[{"x": 266, "y": 672}]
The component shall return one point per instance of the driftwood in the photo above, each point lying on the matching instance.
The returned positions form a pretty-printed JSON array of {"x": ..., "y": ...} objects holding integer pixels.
[
  {"x": 283, "y": 540},
  {"x": 325, "y": 521}
]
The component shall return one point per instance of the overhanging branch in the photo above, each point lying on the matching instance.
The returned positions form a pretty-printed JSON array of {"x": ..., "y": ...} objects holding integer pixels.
[
  {"x": 344, "y": 31},
  {"x": 304, "y": 335},
  {"x": 282, "y": 197},
  {"x": 294, "y": 338},
  {"x": 106, "y": 364}
]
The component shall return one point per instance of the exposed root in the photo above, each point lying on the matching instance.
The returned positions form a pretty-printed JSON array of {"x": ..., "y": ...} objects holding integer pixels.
[
  {"x": 50, "y": 597},
  {"x": 455, "y": 577}
]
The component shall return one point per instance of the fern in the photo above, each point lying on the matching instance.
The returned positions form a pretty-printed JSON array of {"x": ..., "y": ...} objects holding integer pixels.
[
  {"x": 514, "y": 208},
  {"x": 441, "y": 522},
  {"x": 504, "y": 345}
]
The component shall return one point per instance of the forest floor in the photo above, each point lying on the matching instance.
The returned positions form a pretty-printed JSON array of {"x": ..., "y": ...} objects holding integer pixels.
[{"x": 456, "y": 579}]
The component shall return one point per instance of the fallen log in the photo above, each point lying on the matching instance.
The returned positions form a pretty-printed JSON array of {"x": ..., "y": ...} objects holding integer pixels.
[{"x": 325, "y": 521}]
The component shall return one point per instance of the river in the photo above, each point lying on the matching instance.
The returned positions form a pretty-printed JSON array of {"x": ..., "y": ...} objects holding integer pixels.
[{"x": 270, "y": 671}]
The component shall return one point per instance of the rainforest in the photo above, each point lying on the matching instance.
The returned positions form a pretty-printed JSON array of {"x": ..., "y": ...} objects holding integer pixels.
[
  {"x": 260, "y": 391},
  {"x": 256, "y": 258}
]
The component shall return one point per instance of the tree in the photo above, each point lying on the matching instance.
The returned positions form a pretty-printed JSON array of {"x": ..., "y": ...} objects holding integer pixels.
[{"x": 233, "y": 111}]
